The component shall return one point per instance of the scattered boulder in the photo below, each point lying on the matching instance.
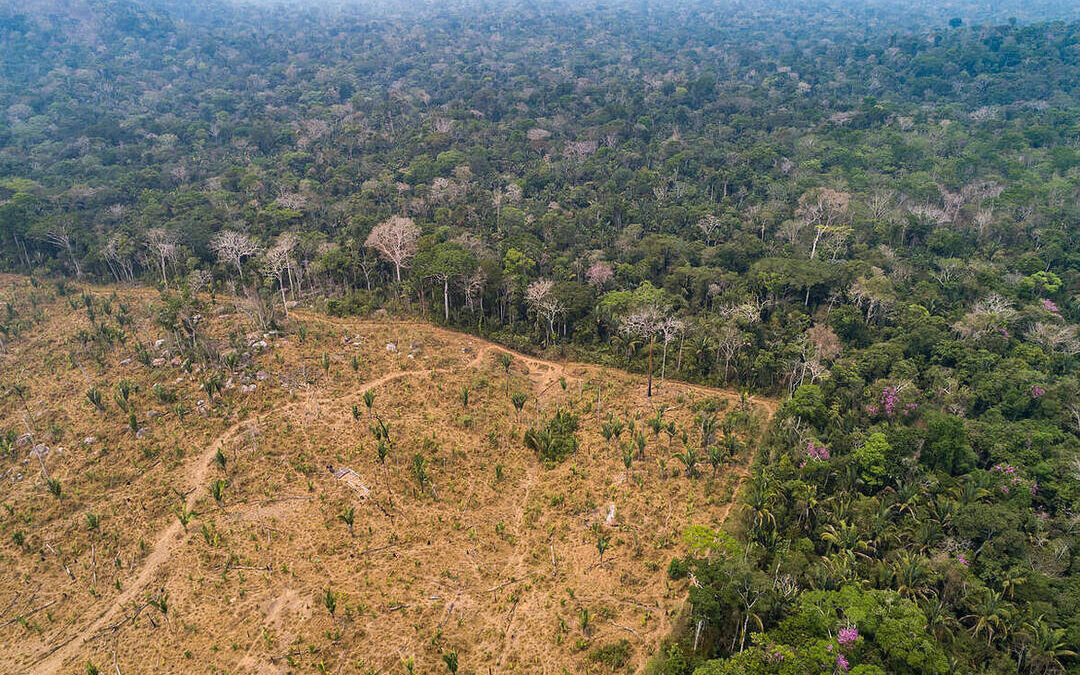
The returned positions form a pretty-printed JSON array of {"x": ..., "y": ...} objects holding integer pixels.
[
  {"x": 158, "y": 344},
  {"x": 157, "y": 363},
  {"x": 260, "y": 345},
  {"x": 262, "y": 375},
  {"x": 391, "y": 347},
  {"x": 125, "y": 362},
  {"x": 142, "y": 432},
  {"x": 247, "y": 388},
  {"x": 40, "y": 451},
  {"x": 24, "y": 440},
  {"x": 89, "y": 440}
]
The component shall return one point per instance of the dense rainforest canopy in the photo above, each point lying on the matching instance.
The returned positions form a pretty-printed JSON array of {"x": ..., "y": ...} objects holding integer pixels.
[{"x": 869, "y": 209}]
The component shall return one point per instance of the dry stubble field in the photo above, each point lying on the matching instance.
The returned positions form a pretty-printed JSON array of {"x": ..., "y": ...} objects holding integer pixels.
[{"x": 116, "y": 553}]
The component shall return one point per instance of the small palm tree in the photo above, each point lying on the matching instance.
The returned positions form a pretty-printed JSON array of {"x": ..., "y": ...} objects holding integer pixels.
[
  {"x": 330, "y": 600},
  {"x": 465, "y": 396},
  {"x": 656, "y": 422},
  {"x": 716, "y": 458},
  {"x": 160, "y": 602},
  {"x": 380, "y": 430},
  {"x": 94, "y": 395},
  {"x": 217, "y": 491},
  {"x": 689, "y": 458},
  {"x": 369, "y": 401},
  {"x": 220, "y": 459},
  {"x": 184, "y": 515},
  {"x": 451, "y": 661},
  {"x": 603, "y": 543},
  {"x": 324, "y": 361},
  {"x": 627, "y": 458},
  {"x": 731, "y": 444},
  {"x": 539, "y": 441},
  {"x": 213, "y": 385},
  {"x": 348, "y": 515},
  {"x": 518, "y": 399},
  {"x": 611, "y": 429},
  {"x": 419, "y": 468}
]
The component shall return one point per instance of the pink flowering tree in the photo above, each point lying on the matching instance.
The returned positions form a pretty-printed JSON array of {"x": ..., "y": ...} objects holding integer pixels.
[{"x": 599, "y": 274}]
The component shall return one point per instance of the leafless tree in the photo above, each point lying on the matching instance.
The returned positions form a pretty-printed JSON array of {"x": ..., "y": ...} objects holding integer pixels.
[
  {"x": 826, "y": 211},
  {"x": 233, "y": 247},
  {"x": 540, "y": 297},
  {"x": 275, "y": 267},
  {"x": 198, "y": 281},
  {"x": 59, "y": 236},
  {"x": 872, "y": 293},
  {"x": 288, "y": 242},
  {"x": 1057, "y": 338},
  {"x": 120, "y": 260},
  {"x": 992, "y": 314},
  {"x": 881, "y": 203},
  {"x": 709, "y": 225},
  {"x": 474, "y": 289},
  {"x": 948, "y": 270},
  {"x": 164, "y": 246},
  {"x": 645, "y": 323},
  {"x": 728, "y": 343},
  {"x": 670, "y": 329},
  {"x": 395, "y": 240}
]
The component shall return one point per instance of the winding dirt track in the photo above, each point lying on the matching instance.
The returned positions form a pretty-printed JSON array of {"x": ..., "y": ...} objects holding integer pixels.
[{"x": 543, "y": 373}]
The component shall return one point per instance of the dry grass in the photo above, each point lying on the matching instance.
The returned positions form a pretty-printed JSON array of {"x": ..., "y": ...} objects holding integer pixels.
[{"x": 496, "y": 558}]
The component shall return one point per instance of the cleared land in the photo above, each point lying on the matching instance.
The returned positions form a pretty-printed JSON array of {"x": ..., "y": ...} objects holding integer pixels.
[{"x": 115, "y": 549}]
